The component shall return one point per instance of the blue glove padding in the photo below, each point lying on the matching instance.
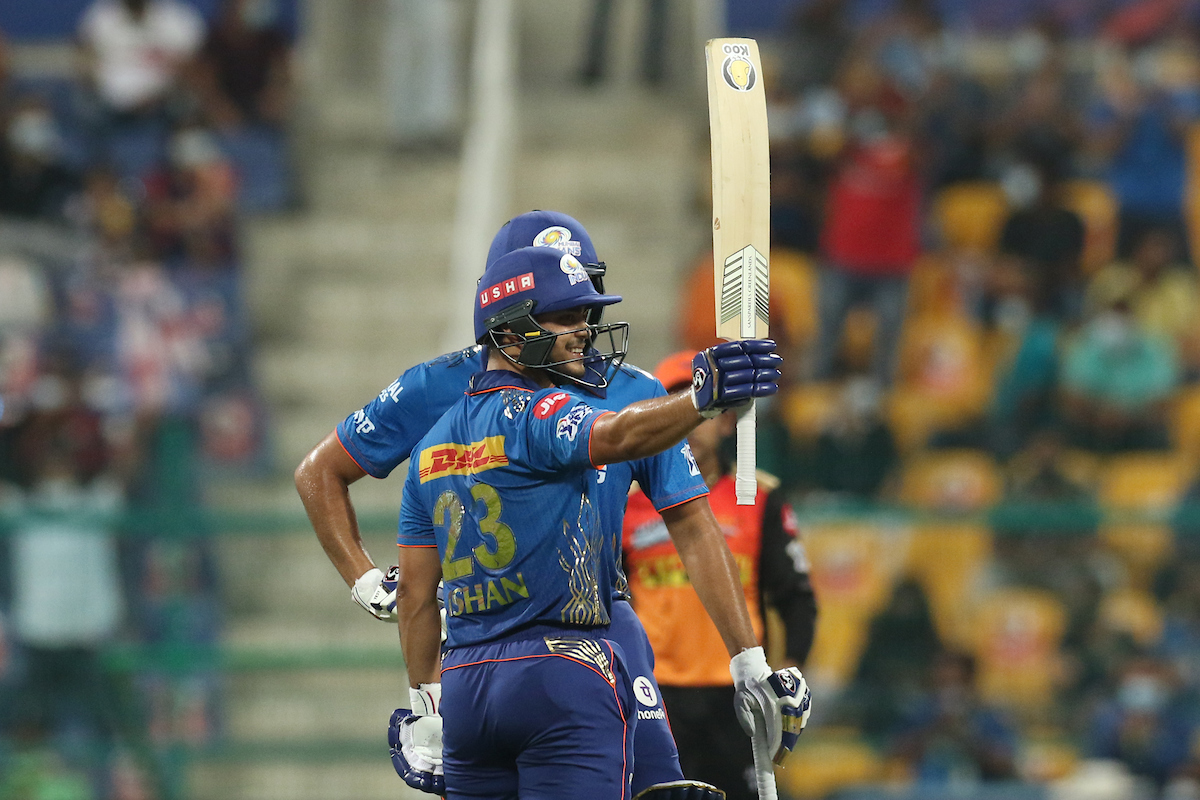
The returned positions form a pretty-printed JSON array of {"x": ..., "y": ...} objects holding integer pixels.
[
  {"x": 416, "y": 770},
  {"x": 730, "y": 374}
]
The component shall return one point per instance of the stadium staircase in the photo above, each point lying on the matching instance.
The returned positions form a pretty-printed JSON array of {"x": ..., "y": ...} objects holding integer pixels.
[{"x": 347, "y": 293}]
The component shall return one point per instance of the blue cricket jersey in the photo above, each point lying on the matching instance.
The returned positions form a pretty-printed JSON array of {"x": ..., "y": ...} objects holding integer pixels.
[
  {"x": 382, "y": 434},
  {"x": 503, "y": 484}
]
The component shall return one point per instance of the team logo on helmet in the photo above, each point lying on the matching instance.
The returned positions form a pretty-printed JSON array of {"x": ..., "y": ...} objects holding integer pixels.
[
  {"x": 575, "y": 271},
  {"x": 737, "y": 69},
  {"x": 559, "y": 238}
]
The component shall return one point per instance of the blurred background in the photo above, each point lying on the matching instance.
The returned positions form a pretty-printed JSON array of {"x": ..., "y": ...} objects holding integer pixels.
[{"x": 227, "y": 224}]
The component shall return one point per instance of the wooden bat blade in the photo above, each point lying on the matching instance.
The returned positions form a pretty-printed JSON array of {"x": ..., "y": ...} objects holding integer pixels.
[{"x": 741, "y": 221}]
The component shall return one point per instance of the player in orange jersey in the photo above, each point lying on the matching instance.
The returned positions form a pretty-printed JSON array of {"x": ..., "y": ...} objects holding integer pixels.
[{"x": 692, "y": 667}]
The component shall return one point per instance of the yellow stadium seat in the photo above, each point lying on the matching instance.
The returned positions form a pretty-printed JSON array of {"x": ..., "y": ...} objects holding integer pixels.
[
  {"x": 1017, "y": 636},
  {"x": 943, "y": 357},
  {"x": 830, "y": 760},
  {"x": 951, "y": 480},
  {"x": 808, "y": 407},
  {"x": 1143, "y": 547},
  {"x": 971, "y": 215},
  {"x": 1185, "y": 423},
  {"x": 1144, "y": 482},
  {"x": 932, "y": 287},
  {"x": 912, "y": 418},
  {"x": 1133, "y": 611},
  {"x": 1097, "y": 206},
  {"x": 948, "y": 560},
  {"x": 854, "y": 567},
  {"x": 1046, "y": 757}
]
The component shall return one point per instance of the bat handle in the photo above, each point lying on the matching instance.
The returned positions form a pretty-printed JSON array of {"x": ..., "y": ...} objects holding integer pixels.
[
  {"x": 746, "y": 484},
  {"x": 764, "y": 770}
]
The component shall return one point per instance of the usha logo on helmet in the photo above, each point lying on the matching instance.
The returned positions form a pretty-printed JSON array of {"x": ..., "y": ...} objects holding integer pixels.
[
  {"x": 506, "y": 288},
  {"x": 559, "y": 238}
]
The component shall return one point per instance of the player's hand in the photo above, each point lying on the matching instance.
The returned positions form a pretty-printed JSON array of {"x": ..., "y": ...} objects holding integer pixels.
[
  {"x": 771, "y": 706},
  {"x": 731, "y": 374},
  {"x": 376, "y": 592},
  {"x": 415, "y": 739}
]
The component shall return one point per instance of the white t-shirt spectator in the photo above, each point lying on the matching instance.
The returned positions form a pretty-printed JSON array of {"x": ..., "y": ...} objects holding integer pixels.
[{"x": 137, "y": 61}]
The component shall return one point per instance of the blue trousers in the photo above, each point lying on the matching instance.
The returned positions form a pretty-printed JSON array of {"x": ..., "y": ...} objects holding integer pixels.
[{"x": 543, "y": 715}]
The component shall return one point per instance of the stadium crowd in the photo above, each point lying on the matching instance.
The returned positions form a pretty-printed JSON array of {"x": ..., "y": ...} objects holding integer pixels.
[
  {"x": 983, "y": 255},
  {"x": 124, "y": 373}
]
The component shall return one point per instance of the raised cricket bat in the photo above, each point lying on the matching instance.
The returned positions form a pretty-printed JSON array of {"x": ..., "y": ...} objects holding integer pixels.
[{"x": 741, "y": 220}]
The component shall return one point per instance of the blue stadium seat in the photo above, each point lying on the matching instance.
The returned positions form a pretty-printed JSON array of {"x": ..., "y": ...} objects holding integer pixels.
[{"x": 260, "y": 156}]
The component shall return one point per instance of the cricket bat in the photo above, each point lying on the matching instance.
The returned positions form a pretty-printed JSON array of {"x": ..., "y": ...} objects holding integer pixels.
[{"x": 741, "y": 220}]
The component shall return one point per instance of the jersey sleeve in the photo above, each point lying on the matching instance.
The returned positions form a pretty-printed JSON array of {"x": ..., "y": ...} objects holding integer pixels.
[
  {"x": 558, "y": 432},
  {"x": 783, "y": 575},
  {"x": 381, "y": 434},
  {"x": 416, "y": 523},
  {"x": 672, "y": 476}
]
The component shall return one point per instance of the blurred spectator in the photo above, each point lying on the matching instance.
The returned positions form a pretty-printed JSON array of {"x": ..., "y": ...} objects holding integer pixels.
[
  {"x": 243, "y": 71},
  {"x": 1137, "y": 130},
  {"x": 1042, "y": 241},
  {"x": 892, "y": 670},
  {"x": 855, "y": 453},
  {"x": 34, "y": 179},
  {"x": 1117, "y": 380},
  {"x": 817, "y": 38},
  {"x": 1162, "y": 292},
  {"x": 1143, "y": 727},
  {"x": 871, "y": 235},
  {"x": 952, "y": 735},
  {"x": 137, "y": 50},
  {"x": 190, "y": 202},
  {"x": 62, "y": 552}
]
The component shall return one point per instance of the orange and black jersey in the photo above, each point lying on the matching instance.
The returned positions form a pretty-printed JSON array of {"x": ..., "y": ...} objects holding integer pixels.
[{"x": 772, "y": 564}]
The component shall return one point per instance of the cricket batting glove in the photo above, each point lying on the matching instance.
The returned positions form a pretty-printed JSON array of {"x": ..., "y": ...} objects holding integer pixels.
[
  {"x": 731, "y": 374},
  {"x": 771, "y": 706},
  {"x": 415, "y": 738},
  {"x": 376, "y": 592}
]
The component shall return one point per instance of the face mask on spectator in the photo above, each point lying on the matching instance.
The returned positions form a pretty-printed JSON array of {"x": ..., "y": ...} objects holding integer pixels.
[
  {"x": 1021, "y": 185},
  {"x": 33, "y": 133},
  {"x": 1113, "y": 330},
  {"x": 194, "y": 148},
  {"x": 259, "y": 14},
  {"x": 1142, "y": 693}
]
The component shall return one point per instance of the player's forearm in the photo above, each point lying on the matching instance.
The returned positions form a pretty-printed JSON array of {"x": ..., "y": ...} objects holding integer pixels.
[
  {"x": 712, "y": 571},
  {"x": 323, "y": 480},
  {"x": 417, "y": 613},
  {"x": 643, "y": 429}
]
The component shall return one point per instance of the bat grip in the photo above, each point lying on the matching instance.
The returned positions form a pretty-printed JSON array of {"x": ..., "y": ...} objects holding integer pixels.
[
  {"x": 764, "y": 769},
  {"x": 745, "y": 483}
]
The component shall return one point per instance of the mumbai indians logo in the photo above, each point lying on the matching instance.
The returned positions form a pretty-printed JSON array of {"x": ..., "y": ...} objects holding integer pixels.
[
  {"x": 559, "y": 238},
  {"x": 570, "y": 265},
  {"x": 737, "y": 69},
  {"x": 441, "y": 460}
]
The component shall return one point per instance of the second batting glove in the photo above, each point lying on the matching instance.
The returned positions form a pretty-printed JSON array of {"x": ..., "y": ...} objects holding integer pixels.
[
  {"x": 376, "y": 592},
  {"x": 772, "y": 707},
  {"x": 732, "y": 374},
  {"x": 415, "y": 739}
]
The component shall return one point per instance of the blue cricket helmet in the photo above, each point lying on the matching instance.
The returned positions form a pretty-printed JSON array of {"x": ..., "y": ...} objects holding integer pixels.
[
  {"x": 544, "y": 279},
  {"x": 545, "y": 229},
  {"x": 538, "y": 280}
]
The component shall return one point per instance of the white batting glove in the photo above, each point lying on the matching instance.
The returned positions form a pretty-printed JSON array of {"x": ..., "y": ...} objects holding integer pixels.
[
  {"x": 376, "y": 592},
  {"x": 415, "y": 738},
  {"x": 772, "y": 707}
]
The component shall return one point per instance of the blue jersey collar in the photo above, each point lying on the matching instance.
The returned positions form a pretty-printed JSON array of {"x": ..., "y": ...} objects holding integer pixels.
[{"x": 489, "y": 380}]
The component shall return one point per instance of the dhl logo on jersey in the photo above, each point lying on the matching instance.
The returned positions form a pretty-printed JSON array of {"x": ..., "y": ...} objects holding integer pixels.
[{"x": 462, "y": 459}]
